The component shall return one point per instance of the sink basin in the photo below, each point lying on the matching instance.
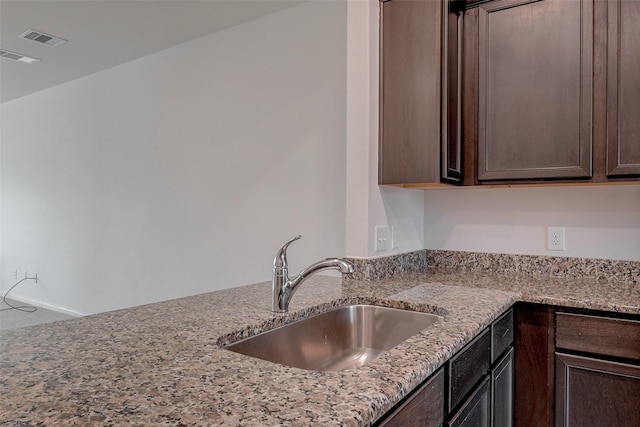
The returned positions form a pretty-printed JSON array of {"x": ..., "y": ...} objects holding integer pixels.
[{"x": 343, "y": 338}]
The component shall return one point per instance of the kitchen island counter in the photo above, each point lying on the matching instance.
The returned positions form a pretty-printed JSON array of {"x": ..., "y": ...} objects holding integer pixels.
[{"x": 161, "y": 364}]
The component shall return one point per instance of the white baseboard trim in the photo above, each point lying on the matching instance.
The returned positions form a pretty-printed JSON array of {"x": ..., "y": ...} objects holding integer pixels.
[{"x": 46, "y": 306}]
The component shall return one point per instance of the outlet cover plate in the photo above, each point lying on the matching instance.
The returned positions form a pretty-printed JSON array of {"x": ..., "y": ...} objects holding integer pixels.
[
  {"x": 555, "y": 238},
  {"x": 382, "y": 238}
]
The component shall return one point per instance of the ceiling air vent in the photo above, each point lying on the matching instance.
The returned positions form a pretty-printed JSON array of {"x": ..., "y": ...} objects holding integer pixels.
[
  {"x": 40, "y": 37},
  {"x": 17, "y": 57}
]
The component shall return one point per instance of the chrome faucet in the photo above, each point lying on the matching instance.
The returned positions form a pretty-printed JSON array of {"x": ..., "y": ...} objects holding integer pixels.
[{"x": 283, "y": 288}]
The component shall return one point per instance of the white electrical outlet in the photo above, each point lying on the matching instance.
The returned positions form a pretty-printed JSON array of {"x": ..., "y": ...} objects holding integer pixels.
[
  {"x": 15, "y": 274},
  {"x": 382, "y": 238},
  {"x": 555, "y": 238}
]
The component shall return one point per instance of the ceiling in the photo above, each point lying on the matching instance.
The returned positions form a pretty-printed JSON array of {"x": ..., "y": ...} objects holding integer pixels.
[{"x": 104, "y": 33}]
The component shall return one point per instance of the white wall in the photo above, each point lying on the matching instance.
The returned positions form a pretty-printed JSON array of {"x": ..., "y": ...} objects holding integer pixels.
[
  {"x": 181, "y": 172},
  {"x": 368, "y": 204},
  {"x": 1, "y": 253},
  {"x": 599, "y": 221}
]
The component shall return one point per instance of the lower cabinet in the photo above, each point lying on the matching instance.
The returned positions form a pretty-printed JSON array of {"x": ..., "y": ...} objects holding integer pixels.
[
  {"x": 476, "y": 409},
  {"x": 474, "y": 388},
  {"x": 550, "y": 367},
  {"x": 534, "y": 365},
  {"x": 424, "y": 407},
  {"x": 596, "y": 392},
  {"x": 597, "y": 371},
  {"x": 576, "y": 368},
  {"x": 466, "y": 369},
  {"x": 502, "y": 391},
  {"x": 481, "y": 379}
]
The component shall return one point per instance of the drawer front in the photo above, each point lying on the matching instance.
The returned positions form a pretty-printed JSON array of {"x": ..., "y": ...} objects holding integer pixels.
[
  {"x": 467, "y": 367},
  {"x": 501, "y": 335},
  {"x": 423, "y": 408},
  {"x": 598, "y": 335}
]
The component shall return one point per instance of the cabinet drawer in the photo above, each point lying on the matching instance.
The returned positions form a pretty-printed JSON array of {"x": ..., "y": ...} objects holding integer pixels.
[
  {"x": 598, "y": 335},
  {"x": 501, "y": 335},
  {"x": 423, "y": 408},
  {"x": 467, "y": 367}
]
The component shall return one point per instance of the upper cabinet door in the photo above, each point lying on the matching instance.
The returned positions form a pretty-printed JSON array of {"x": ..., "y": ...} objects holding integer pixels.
[
  {"x": 535, "y": 85},
  {"x": 623, "y": 88},
  {"x": 410, "y": 67}
]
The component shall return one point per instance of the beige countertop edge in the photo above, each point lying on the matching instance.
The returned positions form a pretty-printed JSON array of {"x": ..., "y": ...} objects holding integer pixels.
[{"x": 160, "y": 363}]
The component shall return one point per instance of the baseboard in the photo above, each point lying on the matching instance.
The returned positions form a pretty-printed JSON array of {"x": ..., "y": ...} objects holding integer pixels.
[{"x": 44, "y": 305}]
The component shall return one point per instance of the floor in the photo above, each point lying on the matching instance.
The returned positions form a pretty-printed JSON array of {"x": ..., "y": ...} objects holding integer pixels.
[{"x": 13, "y": 319}]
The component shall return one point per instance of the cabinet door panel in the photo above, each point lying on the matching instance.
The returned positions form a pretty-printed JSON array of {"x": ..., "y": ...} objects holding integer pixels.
[
  {"x": 475, "y": 412},
  {"x": 535, "y": 89},
  {"x": 595, "y": 393},
  {"x": 623, "y": 100},
  {"x": 502, "y": 392},
  {"x": 452, "y": 92},
  {"x": 534, "y": 365},
  {"x": 409, "y": 144}
]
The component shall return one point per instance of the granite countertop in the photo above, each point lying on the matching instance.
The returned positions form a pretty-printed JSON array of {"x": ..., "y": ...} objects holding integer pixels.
[{"x": 160, "y": 364}]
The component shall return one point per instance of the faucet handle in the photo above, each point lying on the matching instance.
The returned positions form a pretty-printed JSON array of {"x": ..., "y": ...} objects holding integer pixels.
[{"x": 280, "y": 260}]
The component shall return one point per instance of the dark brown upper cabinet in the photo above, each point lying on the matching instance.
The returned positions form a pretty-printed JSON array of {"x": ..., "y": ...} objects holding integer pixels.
[
  {"x": 478, "y": 92},
  {"x": 623, "y": 89},
  {"x": 535, "y": 85},
  {"x": 410, "y": 85}
]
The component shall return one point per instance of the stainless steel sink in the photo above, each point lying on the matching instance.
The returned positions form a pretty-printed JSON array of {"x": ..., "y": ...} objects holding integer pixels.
[{"x": 343, "y": 338}]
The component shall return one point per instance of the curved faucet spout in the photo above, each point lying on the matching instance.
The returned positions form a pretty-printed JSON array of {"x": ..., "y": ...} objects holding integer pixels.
[
  {"x": 283, "y": 288},
  {"x": 342, "y": 265}
]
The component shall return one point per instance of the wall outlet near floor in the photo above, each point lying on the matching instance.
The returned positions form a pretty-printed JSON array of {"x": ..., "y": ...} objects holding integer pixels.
[
  {"x": 382, "y": 238},
  {"x": 555, "y": 238}
]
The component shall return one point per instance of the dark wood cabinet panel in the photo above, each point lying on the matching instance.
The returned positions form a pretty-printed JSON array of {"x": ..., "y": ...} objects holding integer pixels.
[
  {"x": 623, "y": 89},
  {"x": 594, "y": 393},
  {"x": 597, "y": 385},
  {"x": 452, "y": 93},
  {"x": 534, "y": 365},
  {"x": 476, "y": 410},
  {"x": 501, "y": 334},
  {"x": 598, "y": 335},
  {"x": 502, "y": 391},
  {"x": 502, "y": 92},
  {"x": 410, "y": 85},
  {"x": 597, "y": 390},
  {"x": 467, "y": 367},
  {"x": 470, "y": 390},
  {"x": 467, "y": 376},
  {"x": 424, "y": 408},
  {"x": 535, "y": 79}
]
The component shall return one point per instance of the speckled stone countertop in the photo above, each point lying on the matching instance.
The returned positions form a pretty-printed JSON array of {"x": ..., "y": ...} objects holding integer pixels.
[{"x": 161, "y": 364}]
